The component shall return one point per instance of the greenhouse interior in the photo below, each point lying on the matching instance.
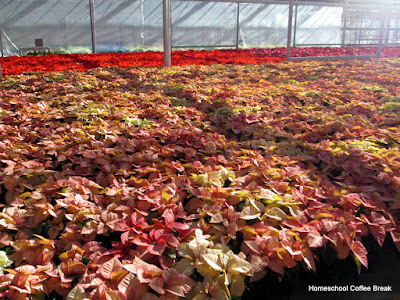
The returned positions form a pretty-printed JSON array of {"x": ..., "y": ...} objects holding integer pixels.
[
  {"x": 200, "y": 150},
  {"x": 76, "y": 26}
]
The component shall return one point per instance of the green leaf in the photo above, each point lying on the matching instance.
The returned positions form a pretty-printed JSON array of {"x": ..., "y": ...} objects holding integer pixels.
[
  {"x": 82, "y": 224},
  {"x": 358, "y": 264},
  {"x": 85, "y": 260}
]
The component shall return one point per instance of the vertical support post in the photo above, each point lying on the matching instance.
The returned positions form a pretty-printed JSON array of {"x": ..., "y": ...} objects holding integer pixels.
[
  {"x": 382, "y": 28},
  {"x": 289, "y": 33},
  {"x": 387, "y": 36},
  {"x": 237, "y": 25},
  {"x": 388, "y": 19},
  {"x": 360, "y": 31},
  {"x": 167, "y": 32},
  {"x": 1, "y": 43},
  {"x": 345, "y": 8},
  {"x": 92, "y": 25},
  {"x": 295, "y": 24},
  {"x": 66, "y": 34}
]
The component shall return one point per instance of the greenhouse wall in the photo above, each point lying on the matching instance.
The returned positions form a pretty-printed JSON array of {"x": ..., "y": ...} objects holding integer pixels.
[
  {"x": 263, "y": 25},
  {"x": 203, "y": 24},
  {"x": 128, "y": 25},
  {"x": 61, "y": 24},
  {"x": 315, "y": 25},
  {"x": 137, "y": 25}
]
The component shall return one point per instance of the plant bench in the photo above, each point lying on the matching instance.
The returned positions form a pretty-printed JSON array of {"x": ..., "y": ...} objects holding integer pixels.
[{"x": 35, "y": 49}]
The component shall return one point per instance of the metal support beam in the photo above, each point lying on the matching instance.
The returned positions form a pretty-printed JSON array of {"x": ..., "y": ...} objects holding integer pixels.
[
  {"x": 382, "y": 29},
  {"x": 1, "y": 43},
  {"x": 167, "y": 32},
  {"x": 295, "y": 24},
  {"x": 92, "y": 25},
  {"x": 289, "y": 32},
  {"x": 345, "y": 16},
  {"x": 237, "y": 25},
  {"x": 388, "y": 18}
]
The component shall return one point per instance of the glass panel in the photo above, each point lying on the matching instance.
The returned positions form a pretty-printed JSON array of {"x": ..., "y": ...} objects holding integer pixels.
[
  {"x": 63, "y": 25},
  {"x": 318, "y": 25},
  {"x": 202, "y": 23},
  {"x": 128, "y": 25},
  {"x": 263, "y": 25}
]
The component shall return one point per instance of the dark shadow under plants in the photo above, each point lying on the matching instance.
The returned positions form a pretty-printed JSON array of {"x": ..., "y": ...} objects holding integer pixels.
[{"x": 384, "y": 263}]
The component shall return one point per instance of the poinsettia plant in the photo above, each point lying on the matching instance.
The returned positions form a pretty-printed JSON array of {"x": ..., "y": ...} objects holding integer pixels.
[
  {"x": 190, "y": 182},
  {"x": 60, "y": 62}
]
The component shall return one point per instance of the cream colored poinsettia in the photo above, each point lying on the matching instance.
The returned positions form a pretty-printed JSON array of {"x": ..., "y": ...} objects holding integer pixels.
[
  {"x": 214, "y": 178},
  {"x": 218, "y": 262},
  {"x": 191, "y": 252},
  {"x": 228, "y": 269},
  {"x": 5, "y": 262}
]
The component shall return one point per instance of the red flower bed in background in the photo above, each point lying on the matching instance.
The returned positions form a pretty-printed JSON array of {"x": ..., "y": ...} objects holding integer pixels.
[{"x": 59, "y": 62}]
